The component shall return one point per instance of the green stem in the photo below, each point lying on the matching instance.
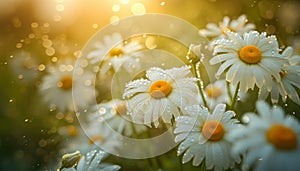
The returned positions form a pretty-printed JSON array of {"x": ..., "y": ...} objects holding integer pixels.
[
  {"x": 180, "y": 164},
  {"x": 203, "y": 166},
  {"x": 197, "y": 74},
  {"x": 229, "y": 90},
  {"x": 148, "y": 160},
  {"x": 235, "y": 96}
]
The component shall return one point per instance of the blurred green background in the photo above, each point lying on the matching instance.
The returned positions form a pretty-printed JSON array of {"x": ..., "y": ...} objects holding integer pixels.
[{"x": 28, "y": 128}]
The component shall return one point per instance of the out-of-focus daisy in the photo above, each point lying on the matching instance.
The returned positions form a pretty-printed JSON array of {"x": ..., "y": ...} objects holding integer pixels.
[
  {"x": 290, "y": 79},
  {"x": 92, "y": 161},
  {"x": 123, "y": 54},
  {"x": 114, "y": 113},
  {"x": 96, "y": 135},
  {"x": 270, "y": 140},
  {"x": 239, "y": 25},
  {"x": 217, "y": 92},
  {"x": 251, "y": 59},
  {"x": 57, "y": 87},
  {"x": 24, "y": 65},
  {"x": 204, "y": 136},
  {"x": 161, "y": 94}
]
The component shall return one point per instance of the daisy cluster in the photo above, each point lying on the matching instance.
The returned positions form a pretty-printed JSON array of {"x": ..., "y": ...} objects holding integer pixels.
[{"x": 211, "y": 131}]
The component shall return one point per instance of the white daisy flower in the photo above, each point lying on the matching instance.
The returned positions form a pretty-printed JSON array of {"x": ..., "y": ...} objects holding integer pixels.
[
  {"x": 270, "y": 140},
  {"x": 239, "y": 25},
  {"x": 103, "y": 136},
  {"x": 24, "y": 65},
  {"x": 114, "y": 113},
  {"x": 251, "y": 59},
  {"x": 92, "y": 161},
  {"x": 290, "y": 80},
  {"x": 75, "y": 139},
  {"x": 161, "y": 94},
  {"x": 57, "y": 87},
  {"x": 204, "y": 136},
  {"x": 123, "y": 55},
  {"x": 217, "y": 93},
  {"x": 96, "y": 135}
]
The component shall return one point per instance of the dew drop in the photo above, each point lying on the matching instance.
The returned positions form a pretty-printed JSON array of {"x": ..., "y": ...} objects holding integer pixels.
[
  {"x": 41, "y": 67},
  {"x": 20, "y": 76}
]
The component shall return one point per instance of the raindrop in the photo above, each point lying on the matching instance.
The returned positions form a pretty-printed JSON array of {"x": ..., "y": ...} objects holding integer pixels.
[
  {"x": 11, "y": 100},
  {"x": 41, "y": 67},
  {"x": 52, "y": 107},
  {"x": 43, "y": 143},
  {"x": 19, "y": 45},
  {"x": 20, "y": 77},
  {"x": 59, "y": 115},
  {"x": 34, "y": 25},
  {"x": 245, "y": 119},
  {"x": 138, "y": 9},
  {"x": 88, "y": 82},
  {"x": 95, "y": 26},
  {"x": 50, "y": 51},
  {"x": 162, "y": 3},
  {"x": 116, "y": 8},
  {"x": 26, "y": 120},
  {"x": 60, "y": 7},
  {"x": 47, "y": 43},
  {"x": 124, "y": 1}
]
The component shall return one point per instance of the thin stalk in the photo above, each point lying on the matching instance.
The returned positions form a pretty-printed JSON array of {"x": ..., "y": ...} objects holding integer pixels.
[
  {"x": 228, "y": 90},
  {"x": 197, "y": 74},
  {"x": 180, "y": 164},
  {"x": 149, "y": 162},
  {"x": 235, "y": 96}
]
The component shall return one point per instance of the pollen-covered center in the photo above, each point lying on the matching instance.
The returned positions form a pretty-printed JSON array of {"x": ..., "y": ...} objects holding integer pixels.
[
  {"x": 160, "y": 89},
  {"x": 213, "y": 91},
  {"x": 250, "y": 54},
  {"x": 282, "y": 137},
  {"x": 116, "y": 51},
  {"x": 213, "y": 130},
  {"x": 121, "y": 109},
  {"x": 65, "y": 82}
]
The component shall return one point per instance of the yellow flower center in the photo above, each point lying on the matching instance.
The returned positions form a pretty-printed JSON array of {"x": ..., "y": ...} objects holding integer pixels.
[
  {"x": 160, "y": 89},
  {"x": 65, "y": 83},
  {"x": 72, "y": 131},
  {"x": 250, "y": 54},
  {"x": 227, "y": 29},
  {"x": 282, "y": 137},
  {"x": 213, "y": 130},
  {"x": 116, "y": 51},
  {"x": 213, "y": 92},
  {"x": 121, "y": 109},
  {"x": 96, "y": 138}
]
